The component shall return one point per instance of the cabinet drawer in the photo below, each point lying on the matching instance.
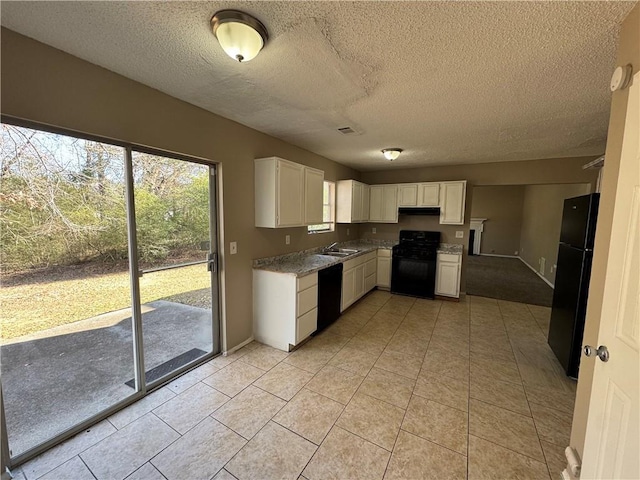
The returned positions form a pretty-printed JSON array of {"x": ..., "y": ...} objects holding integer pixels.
[
  {"x": 307, "y": 281},
  {"x": 448, "y": 257},
  {"x": 370, "y": 267},
  {"x": 353, "y": 263},
  {"x": 306, "y": 325},
  {"x": 307, "y": 299},
  {"x": 384, "y": 252},
  {"x": 370, "y": 256},
  {"x": 369, "y": 282}
]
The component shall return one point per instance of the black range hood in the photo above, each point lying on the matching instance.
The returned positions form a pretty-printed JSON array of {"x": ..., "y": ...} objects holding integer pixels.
[{"x": 419, "y": 211}]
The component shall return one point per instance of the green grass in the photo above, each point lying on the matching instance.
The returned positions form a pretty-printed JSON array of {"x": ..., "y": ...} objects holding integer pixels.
[{"x": 33, "y": 307}]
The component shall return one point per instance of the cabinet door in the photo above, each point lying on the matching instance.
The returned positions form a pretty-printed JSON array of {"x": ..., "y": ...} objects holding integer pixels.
[
  {"x": 290, "y": 194},
  {"x": 313, "y": 192},
  {"x": 390, "y": 204},
  {"x": 408, "y": 195},
  {"x": 375, "y": 203},
  {"x": 448, "y": 279},
  {"x": 384, "y": 272},
  {"x": 365, "y": 202},
  {"x": 356, "y": 204},
  {"x": 359, "y": 281},
  {"x": 452, "y": 198},
  {"x": 429, "y": 194},
  {"x": 348, "y": 288}
]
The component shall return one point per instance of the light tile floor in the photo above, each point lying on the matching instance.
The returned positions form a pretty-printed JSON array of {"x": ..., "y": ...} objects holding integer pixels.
[{"x": 397, "y": 388}]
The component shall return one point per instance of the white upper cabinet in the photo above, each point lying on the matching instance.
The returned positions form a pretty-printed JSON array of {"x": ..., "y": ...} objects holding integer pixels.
[
  {"x": 281, "y": 199},
  {"x": 383, "y": 204},
  {"x": 429, "y": 194},
  {"x": 408, "y": 195},
  {"x": 419, "y": 194},
  {"x": 366, "y": 198},
  {"x": 313, "y": 190},
  {"x": 452, "y": 202},
  {"x": 351, "y": 201}
]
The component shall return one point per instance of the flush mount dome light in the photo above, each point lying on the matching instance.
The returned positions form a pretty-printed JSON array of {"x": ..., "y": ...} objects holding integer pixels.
[
  {"x": 391, "y": 153},
  {"x": 240, "y": 35}
]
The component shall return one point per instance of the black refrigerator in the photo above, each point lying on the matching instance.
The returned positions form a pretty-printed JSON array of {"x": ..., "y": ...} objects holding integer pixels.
[{"x": 575, "y": 254}]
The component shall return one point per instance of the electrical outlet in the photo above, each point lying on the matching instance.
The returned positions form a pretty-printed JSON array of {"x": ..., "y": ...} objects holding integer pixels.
[
  {"x": 459, "y": 234},
  {"x": 233, "y": 248},
  {"x": 347, "y": 232},
  {"x": 373, "y": 230},
  {"x": 287, "y": 239},
  {"x": 516, "y": 252}
]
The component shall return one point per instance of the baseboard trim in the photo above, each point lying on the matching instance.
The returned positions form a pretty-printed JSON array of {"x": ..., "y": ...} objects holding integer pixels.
[
  {"x": 239, "y": 346},
  {"x": 537, "y": 273},
  {"x": 496, "y": 255}
]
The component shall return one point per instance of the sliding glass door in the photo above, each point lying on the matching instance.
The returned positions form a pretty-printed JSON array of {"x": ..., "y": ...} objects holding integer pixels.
[
  {"x": 176, "y": 262},
  {"x": 109, "y": 285},
  {"x": 67, "y": 338}
]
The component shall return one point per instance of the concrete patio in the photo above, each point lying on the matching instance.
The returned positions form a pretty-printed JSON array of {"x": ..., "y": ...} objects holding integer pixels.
[{"x": 59, "y": 377}]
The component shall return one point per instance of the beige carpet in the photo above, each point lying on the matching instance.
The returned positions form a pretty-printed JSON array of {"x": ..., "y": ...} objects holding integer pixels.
[{"x": 506, "y": 279}]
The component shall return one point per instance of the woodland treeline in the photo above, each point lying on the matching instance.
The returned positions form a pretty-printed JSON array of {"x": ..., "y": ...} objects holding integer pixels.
[{"x": 62, "y": 202}]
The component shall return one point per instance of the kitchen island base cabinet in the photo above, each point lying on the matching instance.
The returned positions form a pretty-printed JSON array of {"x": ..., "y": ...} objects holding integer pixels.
[
  {"x": 358, "y": 278},
  {"x": 285, "y": 308},
  {"x": 448, "y": 269}
]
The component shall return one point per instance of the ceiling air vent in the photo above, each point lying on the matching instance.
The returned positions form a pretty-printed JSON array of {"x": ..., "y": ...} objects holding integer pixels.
[{"x": 346, "y": 130}]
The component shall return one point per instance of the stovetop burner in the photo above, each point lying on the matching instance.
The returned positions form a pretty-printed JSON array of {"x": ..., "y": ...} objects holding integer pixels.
[
  {"x": 417, "y": 244},
  {"x": 419, "y": 238}
]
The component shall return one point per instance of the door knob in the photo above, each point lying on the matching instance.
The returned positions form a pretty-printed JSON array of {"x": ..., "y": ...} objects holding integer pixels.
[{"x": 602, "y": 352}]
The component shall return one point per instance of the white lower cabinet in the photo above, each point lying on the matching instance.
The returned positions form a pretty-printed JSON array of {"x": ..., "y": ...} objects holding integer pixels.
[
  {"x": 383, "y": 273},
  {"x": 348, "y": 288},
  {"x": 358, "y": 278},
  {"x": 285, "y": 308},
  {"x": 448, "y": 268}
]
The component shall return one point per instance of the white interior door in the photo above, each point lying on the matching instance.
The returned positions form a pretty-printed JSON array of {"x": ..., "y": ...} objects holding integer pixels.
[{"x": 613, "y": 425}]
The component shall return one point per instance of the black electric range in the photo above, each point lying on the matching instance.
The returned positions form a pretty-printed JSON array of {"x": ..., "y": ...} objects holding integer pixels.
[{"x": 413, "y": 263}]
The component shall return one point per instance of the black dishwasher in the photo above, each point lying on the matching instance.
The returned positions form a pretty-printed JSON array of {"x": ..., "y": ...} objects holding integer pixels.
[{"x": 329, "y": 295}]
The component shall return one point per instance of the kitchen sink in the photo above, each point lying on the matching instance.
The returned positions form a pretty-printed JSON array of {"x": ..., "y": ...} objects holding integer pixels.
[{"x": 340, "y": 252}]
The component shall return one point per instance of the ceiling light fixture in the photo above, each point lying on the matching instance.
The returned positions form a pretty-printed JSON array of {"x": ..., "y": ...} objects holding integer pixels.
[
  {"x": 241, "y": 36},
  {"x": 391, "y": 153}
]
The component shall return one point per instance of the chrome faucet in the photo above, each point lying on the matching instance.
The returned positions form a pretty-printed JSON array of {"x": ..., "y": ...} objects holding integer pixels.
[{"x": 327, "y": 249}]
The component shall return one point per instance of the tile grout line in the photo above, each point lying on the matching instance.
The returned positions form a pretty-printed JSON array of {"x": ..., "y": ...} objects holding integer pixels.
[
  {"x": 535, "y": 426},
  {"x": 286, "y": 403},
  {"x": 493, "y": 443},
  {"x": 85, "y": 464},
  {"x": 363, "y": 380}
]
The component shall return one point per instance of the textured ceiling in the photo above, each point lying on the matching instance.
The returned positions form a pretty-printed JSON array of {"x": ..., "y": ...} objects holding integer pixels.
[{"x": 450, "y": 82}]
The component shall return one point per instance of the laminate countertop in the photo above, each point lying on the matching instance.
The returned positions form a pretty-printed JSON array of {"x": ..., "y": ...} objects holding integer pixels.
[
  {"x": 453, "y": 248},
  {"x": 310, "y": 261}
]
